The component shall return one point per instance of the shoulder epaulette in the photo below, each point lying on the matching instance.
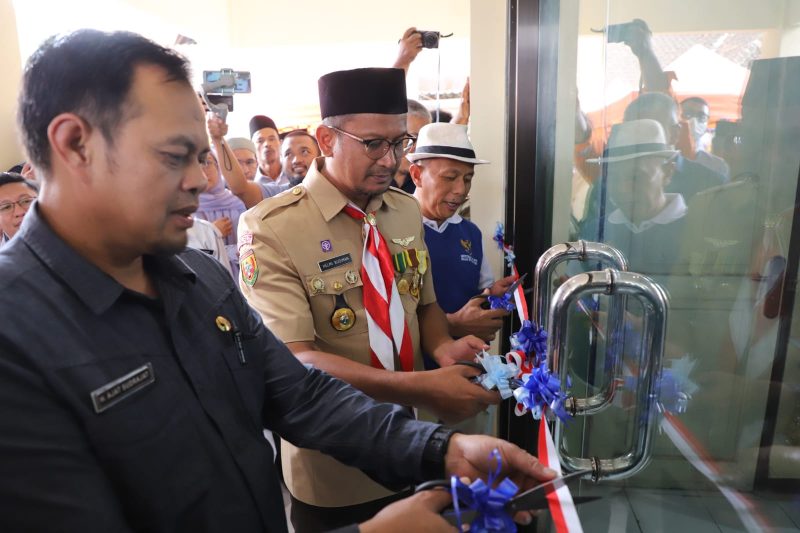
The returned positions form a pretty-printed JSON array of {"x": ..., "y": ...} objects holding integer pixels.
[{"x": 286, "y": 198}]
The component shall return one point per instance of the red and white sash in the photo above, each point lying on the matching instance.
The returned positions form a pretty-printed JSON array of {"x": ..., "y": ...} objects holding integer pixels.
[{"x": 386, "y": 323}]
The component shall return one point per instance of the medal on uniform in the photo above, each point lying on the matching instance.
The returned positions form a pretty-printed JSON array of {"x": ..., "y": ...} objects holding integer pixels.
[
  {"x": 413, "y": 261},
  {"x": 317, "y": 285},
  {"x": 404, "y": 241},
  {"x": 351, "y": 277},
  {"x": 414, "y": 290},
  {"x": 402, "y": 286},
  {"x": 422, "y": 257},
  {"x": 337, "y": 286},
  {"x": 343, "y": 318},
  {"x": 401, "y": 261}
]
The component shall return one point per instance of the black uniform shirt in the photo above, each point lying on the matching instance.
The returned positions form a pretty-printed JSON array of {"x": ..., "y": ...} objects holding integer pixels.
[{"x": 177, "y": 444}]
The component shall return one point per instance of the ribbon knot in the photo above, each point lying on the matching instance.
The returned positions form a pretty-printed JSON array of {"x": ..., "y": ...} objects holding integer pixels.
[
  {"x": 498, "y": 374},
  {"x": 488, "y": 503},
  {"x": 530, "y": 339},
  {"x": 541, "y": 389}
]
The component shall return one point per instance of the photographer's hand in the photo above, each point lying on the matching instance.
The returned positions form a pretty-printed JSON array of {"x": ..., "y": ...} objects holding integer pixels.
[
  {"x": 217, "y": 128},
  {"x": 640, "y": 40},
  {"x": 249, "y": 193},
  {"x": 410, "y": 46}
]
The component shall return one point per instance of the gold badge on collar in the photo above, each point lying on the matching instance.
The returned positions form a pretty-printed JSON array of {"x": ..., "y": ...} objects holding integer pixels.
[
  {"x": 317, "y": 285},
  {"x": 343, "y": 319},
  {"x": 404, "y": 241}
]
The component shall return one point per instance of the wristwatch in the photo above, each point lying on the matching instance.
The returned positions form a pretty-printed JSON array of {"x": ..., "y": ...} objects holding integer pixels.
[{"x": 434, "y": 452}]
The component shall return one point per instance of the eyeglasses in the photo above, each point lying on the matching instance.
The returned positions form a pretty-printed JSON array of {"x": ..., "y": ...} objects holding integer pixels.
[
  {"x": 377, "y": 148},
  {"x": 699, "y": 115},
  {"x": 24, "y": 203}
]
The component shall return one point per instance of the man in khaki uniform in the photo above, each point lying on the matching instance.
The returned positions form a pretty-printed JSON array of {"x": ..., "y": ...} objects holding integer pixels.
[{"x": 301, "y": 257}]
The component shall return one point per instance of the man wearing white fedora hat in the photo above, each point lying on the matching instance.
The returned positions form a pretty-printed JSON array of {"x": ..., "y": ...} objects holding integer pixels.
[
  {"x": 442, "y": 169},
  {"x": 647, "y": 223}
]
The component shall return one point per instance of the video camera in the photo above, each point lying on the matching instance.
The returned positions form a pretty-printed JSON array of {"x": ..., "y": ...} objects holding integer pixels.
[{"x": 219, "y": 86}]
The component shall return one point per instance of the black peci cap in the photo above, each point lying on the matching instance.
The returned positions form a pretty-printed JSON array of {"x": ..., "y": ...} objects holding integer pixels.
[
  {"x": 259, "y": 122},
  {"x": 363, "y": 90}
]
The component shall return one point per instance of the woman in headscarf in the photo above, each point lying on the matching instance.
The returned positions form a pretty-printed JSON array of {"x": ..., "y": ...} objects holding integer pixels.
[{"x": 222, "y": 208}]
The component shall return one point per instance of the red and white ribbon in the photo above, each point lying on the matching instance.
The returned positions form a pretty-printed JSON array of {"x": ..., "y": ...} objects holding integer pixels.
[
  {"x": 519, "y": 296},
  {"x": 386, "y": 323},
  {"x": 562, "y": 508},
  {"x": 697, "y": 456}
]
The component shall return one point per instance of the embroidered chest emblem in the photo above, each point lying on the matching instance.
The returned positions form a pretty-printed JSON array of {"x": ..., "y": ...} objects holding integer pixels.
[{"x": 467, "y": 245}]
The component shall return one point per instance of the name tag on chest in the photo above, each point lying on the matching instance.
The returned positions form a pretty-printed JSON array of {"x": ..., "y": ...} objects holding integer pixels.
[
  {"x": 334, "y": 262},
  {"x": 112, "y": 393}
]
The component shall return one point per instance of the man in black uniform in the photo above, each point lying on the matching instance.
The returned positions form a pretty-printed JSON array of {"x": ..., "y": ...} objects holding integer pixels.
[{"x": 134, "y": 379}]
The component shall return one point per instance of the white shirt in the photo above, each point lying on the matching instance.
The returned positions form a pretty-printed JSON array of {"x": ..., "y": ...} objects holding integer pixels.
[
  {"x": 486, "y": 279},
  {"x": 204, "y": 236},
  {"x": 674, "y": 210},
  {"x": 282, "y": 178}
]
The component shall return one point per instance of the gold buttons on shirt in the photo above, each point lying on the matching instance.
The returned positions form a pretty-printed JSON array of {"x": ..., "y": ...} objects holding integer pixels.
[
  {"x": 337, "y": 286},
  {"x": 297, "y": 191}
]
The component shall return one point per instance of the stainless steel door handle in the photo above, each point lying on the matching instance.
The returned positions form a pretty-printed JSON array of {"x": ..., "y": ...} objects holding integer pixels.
[
  {"x": 542, "y": 279},
  {"x": 655, "y": 304},
  {"x": 560, "y": 253}
]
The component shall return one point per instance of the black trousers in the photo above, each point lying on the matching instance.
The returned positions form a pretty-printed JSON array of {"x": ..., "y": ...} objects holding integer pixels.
[{"x": 312, "y": 519}]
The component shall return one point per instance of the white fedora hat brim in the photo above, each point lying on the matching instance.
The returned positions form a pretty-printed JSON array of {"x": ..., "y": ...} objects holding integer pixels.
[
  {"x": 414, "y": 156},
  {"x": 626, "y": 157}
]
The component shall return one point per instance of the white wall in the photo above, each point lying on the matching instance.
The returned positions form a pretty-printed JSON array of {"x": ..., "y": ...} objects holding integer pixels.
[
  {"x": 488, "y": 119},
  {"x": 10, "y": 66}
]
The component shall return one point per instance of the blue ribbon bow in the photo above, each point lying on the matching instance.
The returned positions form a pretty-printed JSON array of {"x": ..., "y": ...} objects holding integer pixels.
[
  {"x": 488, "y": 503},
  {"x": 499, "y": 236},
  {"x": 502, "y": 302},
  {"x": 498, "y": 373},
  {"x": 541, "y": 389},
  {"x": 530, "y": 339}
]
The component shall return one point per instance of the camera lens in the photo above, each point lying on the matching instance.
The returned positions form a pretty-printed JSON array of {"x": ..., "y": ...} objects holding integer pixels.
[{"x": 430, "y": 39}]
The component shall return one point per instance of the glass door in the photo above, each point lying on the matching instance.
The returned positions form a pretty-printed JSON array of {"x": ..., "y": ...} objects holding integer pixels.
[{"x": 674, "y": 137}]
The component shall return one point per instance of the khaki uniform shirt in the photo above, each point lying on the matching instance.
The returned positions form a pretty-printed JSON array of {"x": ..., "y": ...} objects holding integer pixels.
[{"x": 298, "y": 252}]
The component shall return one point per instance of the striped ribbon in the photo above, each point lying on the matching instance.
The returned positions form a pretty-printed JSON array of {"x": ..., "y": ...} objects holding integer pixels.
[
  {"x": 694, "y": 452},
  {"x": 562, "y": 508},
  {"x": 697, "y": 456},
  {"x": 386, "y": 324}
]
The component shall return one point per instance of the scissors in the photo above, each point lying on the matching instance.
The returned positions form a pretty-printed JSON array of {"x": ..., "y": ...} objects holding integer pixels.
[
  {"x": 531, "y": 500},
  {"x": 509, "y": 291}
]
